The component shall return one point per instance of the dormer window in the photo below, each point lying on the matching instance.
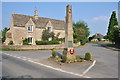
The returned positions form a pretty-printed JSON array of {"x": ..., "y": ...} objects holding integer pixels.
[{"x": 30, "y": 28}]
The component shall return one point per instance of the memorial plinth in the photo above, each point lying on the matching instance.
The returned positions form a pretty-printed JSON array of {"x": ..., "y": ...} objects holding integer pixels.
[{"x": 69, "y": 34}]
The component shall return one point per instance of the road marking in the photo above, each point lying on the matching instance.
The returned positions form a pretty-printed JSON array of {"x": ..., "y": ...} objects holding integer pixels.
[
  {"x": 57, "y": 69},
  {"x": 89, "y": 68}
]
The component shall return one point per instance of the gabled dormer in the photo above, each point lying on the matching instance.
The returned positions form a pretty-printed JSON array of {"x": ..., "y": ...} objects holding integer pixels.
[
  {"x": 49, "y": 26},
  {"x": 30, "y": 25}
]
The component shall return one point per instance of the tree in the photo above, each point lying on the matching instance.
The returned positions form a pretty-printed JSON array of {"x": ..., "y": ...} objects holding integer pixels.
[
  {"x": 81, "y": 31},
  {"x": 4, "y": 34},
  {"x": 46, "y": 35},
  {"x": 116, "y": 35},
  {"x": 113, "y": 21}
]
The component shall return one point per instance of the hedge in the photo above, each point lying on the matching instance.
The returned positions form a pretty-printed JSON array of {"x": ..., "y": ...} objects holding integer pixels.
[{"x": 46, "y": 42}]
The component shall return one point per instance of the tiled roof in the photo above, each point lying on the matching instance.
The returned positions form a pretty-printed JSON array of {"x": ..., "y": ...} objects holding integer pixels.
[
  {"x": 98, "y": 36},
  {"x": 20, "y": 21}
]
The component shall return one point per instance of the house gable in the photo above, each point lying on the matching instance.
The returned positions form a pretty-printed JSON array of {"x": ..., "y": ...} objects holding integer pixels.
[
  {"x": 49, "y": 24},
  {"x": 30, "y": 22}
]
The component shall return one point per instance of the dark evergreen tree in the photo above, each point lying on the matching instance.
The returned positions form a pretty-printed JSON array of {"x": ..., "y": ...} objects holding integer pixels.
[
  {"x": 113, "y": 21},
  {"x": 4, "y": 34}
]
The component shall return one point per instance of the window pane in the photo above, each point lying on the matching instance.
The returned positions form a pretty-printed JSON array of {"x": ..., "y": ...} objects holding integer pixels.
[
  {"x": 49, "y": 29},
  {"x": 30, "y": 39},
  {"x": 30, "y": 28}
]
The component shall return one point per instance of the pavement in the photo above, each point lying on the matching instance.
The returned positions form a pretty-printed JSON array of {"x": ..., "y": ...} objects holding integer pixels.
[{"x": 106, "y": 64}]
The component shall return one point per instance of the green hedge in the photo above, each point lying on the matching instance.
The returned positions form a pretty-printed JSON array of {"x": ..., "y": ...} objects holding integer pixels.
[{"x": 46, "y": 42}]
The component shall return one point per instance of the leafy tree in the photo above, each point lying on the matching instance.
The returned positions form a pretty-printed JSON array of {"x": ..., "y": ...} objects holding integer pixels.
[
  {"x": 4, "y": 34},
  {"x": 46, "y": 35},
  {"x": 113, "y": 21},
  {"x": 81, "y": 32}
]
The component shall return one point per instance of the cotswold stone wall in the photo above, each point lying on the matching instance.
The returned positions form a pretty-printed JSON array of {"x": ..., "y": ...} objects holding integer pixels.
[{"x": 39, "y": 46}]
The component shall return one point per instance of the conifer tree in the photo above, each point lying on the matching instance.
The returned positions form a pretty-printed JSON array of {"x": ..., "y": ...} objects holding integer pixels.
[{"x": 113, "y": 21}]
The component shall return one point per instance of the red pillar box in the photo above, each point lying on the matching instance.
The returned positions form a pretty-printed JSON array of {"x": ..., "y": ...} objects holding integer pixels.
[{"x": 72, "y": 51}]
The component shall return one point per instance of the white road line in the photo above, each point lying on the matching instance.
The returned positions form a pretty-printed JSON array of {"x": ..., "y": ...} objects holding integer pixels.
[
  {"x": 57, "y": 69},
  {"x": 89, "y": 68}
]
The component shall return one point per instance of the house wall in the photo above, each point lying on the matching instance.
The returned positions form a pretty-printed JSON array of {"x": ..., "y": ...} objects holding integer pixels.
[
  {"x": 62, "y": 33},
  {"x": 20, "y": 33},
  {"x": 38, "y": 33}
]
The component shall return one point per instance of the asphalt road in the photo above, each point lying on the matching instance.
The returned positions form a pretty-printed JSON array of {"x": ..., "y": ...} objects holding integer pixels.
[
  {"x": 105, "y": 67},
  {"x": 16, "y": 68}
]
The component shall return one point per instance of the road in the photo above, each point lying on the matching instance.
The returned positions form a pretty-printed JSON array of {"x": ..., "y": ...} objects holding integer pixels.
[
  {"x": 16, "y": 68},
  {"x": 105, "y": 67}
]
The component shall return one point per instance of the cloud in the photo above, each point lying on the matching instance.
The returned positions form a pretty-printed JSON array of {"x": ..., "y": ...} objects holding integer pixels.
[{"x": 100, "y": 18}]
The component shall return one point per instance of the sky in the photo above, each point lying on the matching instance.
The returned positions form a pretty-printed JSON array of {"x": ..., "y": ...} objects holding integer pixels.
[{"x": 95, "y": 14}]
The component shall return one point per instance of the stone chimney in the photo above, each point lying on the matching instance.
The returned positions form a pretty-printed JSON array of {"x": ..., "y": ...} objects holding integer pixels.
[{"x": 36, "y": 14}]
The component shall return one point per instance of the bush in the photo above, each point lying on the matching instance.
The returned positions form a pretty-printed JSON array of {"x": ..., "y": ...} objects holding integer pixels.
[
  {"x": 87, "y": 56},
  {"x": 78, "y": 57},
  {"x": 64, "y": 58},
  {"x": 54, "y": 54},
  {"x": 46, "y": 42},
  {"x": 10, "y": 43},
  {"x": 25, "y": 42}
]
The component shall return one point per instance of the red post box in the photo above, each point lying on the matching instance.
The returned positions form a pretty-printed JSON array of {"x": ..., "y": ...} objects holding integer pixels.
[{"x": 71, "y": 51}]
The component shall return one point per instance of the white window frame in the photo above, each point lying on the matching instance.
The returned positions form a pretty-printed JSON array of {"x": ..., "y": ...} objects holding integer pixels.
[
  {"x": 30, "y": 42},
  {"x": 30, "y": 27},
  {"x": 50, "y": 29}
]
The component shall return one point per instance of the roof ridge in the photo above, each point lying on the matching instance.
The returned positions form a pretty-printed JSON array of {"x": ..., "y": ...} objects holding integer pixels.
[
  {"x": 22, "y": 15},
  {"x": 38, "y": 17},
  {"x": 52, "y": 19}
]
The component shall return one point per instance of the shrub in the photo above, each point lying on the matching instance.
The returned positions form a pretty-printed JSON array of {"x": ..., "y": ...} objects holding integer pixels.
[
  {"x": 78, "y": 57},
  {"x": 64, "y": 58},
  {"x": 25, "y": 42},
  {"x": 46, "y": 42},
  {"x": 10, "y": 43},
  {"x": 54, "y": 54},
  {"x": 87, "y": 56}
]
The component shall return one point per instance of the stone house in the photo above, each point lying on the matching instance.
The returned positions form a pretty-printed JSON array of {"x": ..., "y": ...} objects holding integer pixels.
[
  {"x": 98, "y": 37},
  {"x": 31, "y": 27}
]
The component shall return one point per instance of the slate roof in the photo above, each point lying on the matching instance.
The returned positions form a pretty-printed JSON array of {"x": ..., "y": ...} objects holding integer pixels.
[{"x": 20, "y": 21}]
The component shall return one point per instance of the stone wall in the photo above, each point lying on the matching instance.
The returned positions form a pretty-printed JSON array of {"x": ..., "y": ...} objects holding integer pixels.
[{"x": 39, "y": 46}]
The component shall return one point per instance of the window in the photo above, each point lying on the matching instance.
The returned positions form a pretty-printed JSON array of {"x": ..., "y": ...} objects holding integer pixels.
[
  {"x": 30, "y": 28},
  {"x": 30, "y": 40},
  {"x": 49, "y": 29}
]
